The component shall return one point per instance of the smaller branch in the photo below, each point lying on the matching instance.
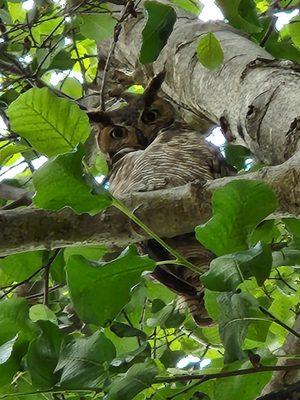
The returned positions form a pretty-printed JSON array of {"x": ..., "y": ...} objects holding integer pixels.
[
  {"x": 225, "y": 374},
  {"x": 47, "y": 265},
  {"x": 291, "y": 330},
  {"x": 268, "y": 31},
  {"x": 128, "y": 10},
  {"x": 41, "y": 294}
]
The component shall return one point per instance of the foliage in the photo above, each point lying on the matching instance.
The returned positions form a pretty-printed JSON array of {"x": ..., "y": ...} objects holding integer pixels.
[{"x": 82, "y": 322}]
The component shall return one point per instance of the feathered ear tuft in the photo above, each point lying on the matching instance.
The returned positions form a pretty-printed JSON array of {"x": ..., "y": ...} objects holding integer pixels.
[
  {"x": 153, "y": 87},
  {"x": 99, "y": 117}
]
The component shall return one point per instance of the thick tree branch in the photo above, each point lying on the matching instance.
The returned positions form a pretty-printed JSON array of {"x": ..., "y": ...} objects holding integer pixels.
[
  {"x": 169, "y": 213},
  {"x": 258, "y": 96}
]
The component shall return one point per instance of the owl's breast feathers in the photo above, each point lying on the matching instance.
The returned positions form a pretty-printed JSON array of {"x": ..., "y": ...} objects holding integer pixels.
[{"x": 177, "y": 156}]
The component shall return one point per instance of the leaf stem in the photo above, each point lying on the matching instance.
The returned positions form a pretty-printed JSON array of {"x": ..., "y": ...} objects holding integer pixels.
[{"x": 178, "y": 258}]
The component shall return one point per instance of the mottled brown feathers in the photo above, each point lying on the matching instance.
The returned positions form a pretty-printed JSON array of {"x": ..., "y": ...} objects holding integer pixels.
[{"x": 149, "y": 149}]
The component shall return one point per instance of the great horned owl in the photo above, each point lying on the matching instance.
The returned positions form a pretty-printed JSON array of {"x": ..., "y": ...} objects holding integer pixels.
[{"x": 148, "y": 148}]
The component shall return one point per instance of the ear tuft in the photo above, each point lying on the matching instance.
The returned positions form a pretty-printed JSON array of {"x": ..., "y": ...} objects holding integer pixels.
[
  {"x": 99, "y": 117},
  {"x": 153, "y": 87}
]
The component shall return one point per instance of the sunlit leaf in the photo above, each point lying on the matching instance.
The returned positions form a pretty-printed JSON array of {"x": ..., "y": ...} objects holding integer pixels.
[
  {"x": 192, "y": 6},
  {"x": 209, "y": 51},
  {"x": 241, "y": 14},
  {"x": 51, "y": 124},
  {"x": 97, "y": 26},
  {"x": 40, "y": 312}
]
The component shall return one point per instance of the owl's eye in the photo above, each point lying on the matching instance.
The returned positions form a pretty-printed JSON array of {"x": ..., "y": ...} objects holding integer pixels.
[
  {"x": 118, "y": 132},
  {"x": 150, "y": 116}
]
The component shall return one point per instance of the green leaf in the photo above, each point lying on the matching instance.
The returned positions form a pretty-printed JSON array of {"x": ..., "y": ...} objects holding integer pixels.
[
  {"x": 51, "y": 124},
  {"x": 192, "y": 6},
  {"x": 279, "y": 47},
  {"x": 42, "y": 30},
  {"x": 43, "y": 354},
  {"x": 159, "y": 26},
  {"x": 6, "y": 349},
  {"x": 90, "y": 252},
  {"x": 286, "y": 256},
  {"x": 60, "y": 183},
  {"x": 236, "y": 155},
  {"x": 99, "y": 291},
  {"x": 168, "y": 317},
  {"x": 126, "y": 360},
  {"x": 16, "y": 11},
  {"x": 138, "y": 378},
  {"x": 247, "y": 387},
  {"x": 10, "y": 150},
  {"x": 72, "y": 87},
  {"x": 20, "y": 266},
  {"x": 123, "y": 330},
  {"x": 40, "y": 312},
  {"x": 82, "y": 361},
  {"x": 237, "y": 208},
  {"x": 266, "y": 231},
  {"x": 227, "y": 272},
  {"x": 9, "y": 364},
  {"x": 62, "y": 61},
  {"x": 293, "y": 226},
  {"x": 294, "y": 27},
  {"x": 97, "y": 27},
  {"x": 209, "y": 51},
  {"x": 234, "y": 312},
  {"x": 241, "y": 14},
  {"x": 170, "y": 358},
  {"x": 14, "y": 322}
]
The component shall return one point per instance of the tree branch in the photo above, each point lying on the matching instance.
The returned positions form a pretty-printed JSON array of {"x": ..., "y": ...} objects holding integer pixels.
[
  {"x": 250, "y": 89},
  {"x": 169, "y": 213}
]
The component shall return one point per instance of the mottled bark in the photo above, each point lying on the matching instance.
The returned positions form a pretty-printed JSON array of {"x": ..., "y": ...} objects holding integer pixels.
[
  {"x": 168, "y": 213},
  {"x": 256, "y": 95}
]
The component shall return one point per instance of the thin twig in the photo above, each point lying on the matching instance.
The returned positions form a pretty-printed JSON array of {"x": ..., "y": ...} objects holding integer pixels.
[
  {"x": 268, "y": 31},
  {"x": 291, "y": 330},
  {"x": 128, "y": 10},
  {"x": 46, "y": 265},
  {"x": 225, "y": 374}
]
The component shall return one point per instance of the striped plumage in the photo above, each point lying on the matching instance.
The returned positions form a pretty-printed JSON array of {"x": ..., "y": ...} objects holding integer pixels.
[
  {"x": 145, "y": 156},
  {"x": 177, "y": 156}
]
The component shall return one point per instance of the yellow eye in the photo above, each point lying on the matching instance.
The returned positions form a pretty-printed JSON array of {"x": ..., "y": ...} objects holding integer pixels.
[
  {"x": 150, "y": 116},
  {"x": 118, "y": 132}
]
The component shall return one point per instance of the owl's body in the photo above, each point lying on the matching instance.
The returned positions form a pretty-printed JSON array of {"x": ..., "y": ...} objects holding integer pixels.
[{"x": 162, "y": 156}]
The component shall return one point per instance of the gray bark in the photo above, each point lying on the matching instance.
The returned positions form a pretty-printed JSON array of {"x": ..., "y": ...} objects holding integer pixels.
[
  {"x": 258, "y": 96},
  {"x": 168, "y": 213}
]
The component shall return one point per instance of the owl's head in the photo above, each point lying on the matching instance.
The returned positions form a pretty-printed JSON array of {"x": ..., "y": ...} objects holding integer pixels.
[{"x": 135, "y": 125}]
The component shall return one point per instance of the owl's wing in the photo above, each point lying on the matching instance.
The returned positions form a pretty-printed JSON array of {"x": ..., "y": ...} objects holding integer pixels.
[{"x": 173, "y": 159}]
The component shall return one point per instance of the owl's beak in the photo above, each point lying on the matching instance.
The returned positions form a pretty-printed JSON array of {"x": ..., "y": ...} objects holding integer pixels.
[{"x": 141, "y": 138}]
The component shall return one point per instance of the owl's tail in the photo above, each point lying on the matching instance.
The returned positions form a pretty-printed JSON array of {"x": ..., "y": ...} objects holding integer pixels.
[{"x": 185, "y": 283}]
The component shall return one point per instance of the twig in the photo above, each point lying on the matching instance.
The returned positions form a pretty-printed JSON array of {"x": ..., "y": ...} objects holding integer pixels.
[
  {"x": 128, "y": 10},
  {"x": 268, "y": 31},
  {"x": 225, "y": 374},
  {"x": 47, "y": 265},
  {"x": 291, "y": 330},
  {"x": 41, "y": 294}
]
